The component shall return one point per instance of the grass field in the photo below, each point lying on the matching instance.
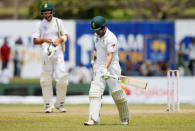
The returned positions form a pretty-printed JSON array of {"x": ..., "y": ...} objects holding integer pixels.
[{"x": 143, "y": 118}]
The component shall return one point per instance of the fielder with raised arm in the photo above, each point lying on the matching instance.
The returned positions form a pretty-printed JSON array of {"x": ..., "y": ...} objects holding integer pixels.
[
  {"x": 46, "y": 34},
  {"x": 107, "y": 62}
]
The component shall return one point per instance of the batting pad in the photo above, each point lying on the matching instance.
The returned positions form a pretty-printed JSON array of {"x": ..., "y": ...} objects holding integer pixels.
[
  {"x": 119, "y": 97},
  {"x": 61, "y": 89},
  {"x": 94, "y": 101},
  {"x": 46, "y": 85}
]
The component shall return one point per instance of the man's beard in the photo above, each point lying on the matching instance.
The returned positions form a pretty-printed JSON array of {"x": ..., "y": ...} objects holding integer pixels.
[{"x": 48, "y": 17}]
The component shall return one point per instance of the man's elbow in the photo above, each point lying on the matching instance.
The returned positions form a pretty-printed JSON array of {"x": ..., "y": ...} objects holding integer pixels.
[{"x": 36, "y": 41}]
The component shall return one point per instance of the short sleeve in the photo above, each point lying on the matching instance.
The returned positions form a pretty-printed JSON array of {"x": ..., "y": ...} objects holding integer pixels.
[
  {"x": 36, "y": 31},
  {"x": 112, "y": 45}
]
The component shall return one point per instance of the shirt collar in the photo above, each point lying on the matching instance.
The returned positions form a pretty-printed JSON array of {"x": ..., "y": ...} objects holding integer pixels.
[
  {"x": 53, "y": 18},
  {"x": 106, "y": 34}
]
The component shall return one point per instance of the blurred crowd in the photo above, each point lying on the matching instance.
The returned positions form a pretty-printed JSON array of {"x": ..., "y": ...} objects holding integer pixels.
[
  {"x": 8, "y": 54},
  {"x": 144, "y": 69},
  {"x": 186, "y": 58}
]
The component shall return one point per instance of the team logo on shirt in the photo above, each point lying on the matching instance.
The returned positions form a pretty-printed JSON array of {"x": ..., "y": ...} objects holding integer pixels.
[
  {"x": 103, "y": 41},
  {"x": 45, "y": 27},
  {"x": 113, "y": 45}
]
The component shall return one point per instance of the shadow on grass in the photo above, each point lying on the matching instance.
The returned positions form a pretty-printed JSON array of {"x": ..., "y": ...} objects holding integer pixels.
[{"x": 48, "y": 113}]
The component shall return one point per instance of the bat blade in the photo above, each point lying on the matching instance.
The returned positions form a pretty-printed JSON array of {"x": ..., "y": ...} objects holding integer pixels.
[
  {"x": 132, "y": 82},
  {"x": 59, "y": 35},
  {"x": 129, "y": 81}
]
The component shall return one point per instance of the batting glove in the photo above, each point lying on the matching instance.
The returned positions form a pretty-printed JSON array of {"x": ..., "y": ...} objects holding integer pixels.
[{"x": 105, "y": 72}]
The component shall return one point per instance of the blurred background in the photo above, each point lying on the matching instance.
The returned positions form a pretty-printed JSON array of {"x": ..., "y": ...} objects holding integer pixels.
[{"x": 153, "y": 36}]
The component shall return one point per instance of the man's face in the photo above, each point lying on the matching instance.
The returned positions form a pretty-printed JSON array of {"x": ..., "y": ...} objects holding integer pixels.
[
  {"x": 101, "y": 32},
  {"x": 47, "y": 15}
]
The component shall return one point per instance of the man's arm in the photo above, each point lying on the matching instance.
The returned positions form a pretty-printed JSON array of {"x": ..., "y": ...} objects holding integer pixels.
[
  {"x": 93, "y": 56},
  {"x": 39, "y": 41},
  {"x": 107, "y": 64},
  {"x": 109, "y": 59}
]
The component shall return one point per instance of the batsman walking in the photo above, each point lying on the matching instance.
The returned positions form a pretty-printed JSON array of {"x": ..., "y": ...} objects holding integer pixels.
[
  {"x": 105, "y": 62},
  {"x": 50, "y": 33}
]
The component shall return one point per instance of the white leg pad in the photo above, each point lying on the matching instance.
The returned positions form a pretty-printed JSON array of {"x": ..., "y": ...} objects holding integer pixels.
[
  {"x": 61, "y": 89},
  {"x": 94, "y": 101},
  {"x": 47, "y": 90},
  {"x": 119, "y": 97}
]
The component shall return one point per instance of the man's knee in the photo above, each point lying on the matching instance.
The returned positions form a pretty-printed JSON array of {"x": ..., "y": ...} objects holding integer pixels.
[
  {"x": 46, "y": 79},
  {"x": 119, "y": 96},
  {"x": 63, "y": 82}
]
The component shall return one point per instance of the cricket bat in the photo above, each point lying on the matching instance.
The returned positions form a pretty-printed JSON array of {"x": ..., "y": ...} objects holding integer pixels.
[
  {"x": 59, "y": 35},
  {"x": 129, "y": 81}
]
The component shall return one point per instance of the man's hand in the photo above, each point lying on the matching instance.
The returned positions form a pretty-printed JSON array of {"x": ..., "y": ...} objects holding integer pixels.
[
  {"x": 105, "y": 72},
  {"x": 47, "y": 40},
  {"x": 57, "y": 41}
]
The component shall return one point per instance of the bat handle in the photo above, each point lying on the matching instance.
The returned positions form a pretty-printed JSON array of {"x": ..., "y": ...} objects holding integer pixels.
[{"x": 112, "y": 76}]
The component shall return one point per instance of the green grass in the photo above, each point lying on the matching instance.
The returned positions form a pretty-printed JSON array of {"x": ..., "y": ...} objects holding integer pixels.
[{"x": 143, "y": 118}]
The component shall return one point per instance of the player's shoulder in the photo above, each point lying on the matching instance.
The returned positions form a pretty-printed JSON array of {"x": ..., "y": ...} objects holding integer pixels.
[
  {"x": 58, "y": 19},
  {"x": 95, "y": 35},
  {"x": 111, "y": 36}
]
